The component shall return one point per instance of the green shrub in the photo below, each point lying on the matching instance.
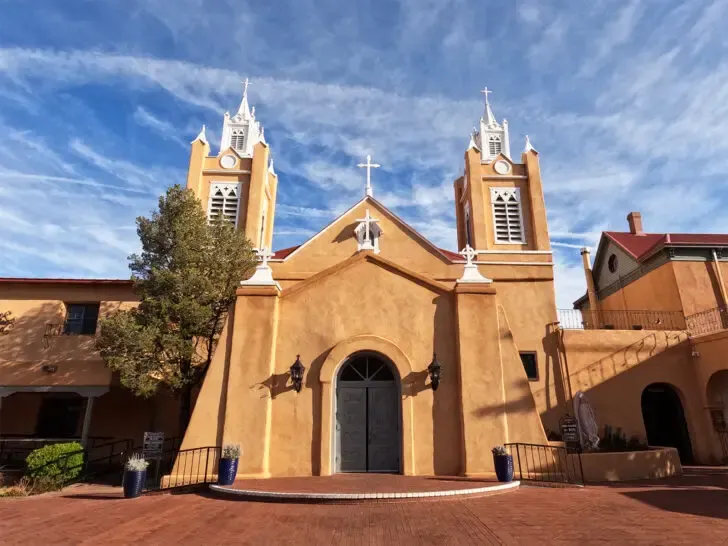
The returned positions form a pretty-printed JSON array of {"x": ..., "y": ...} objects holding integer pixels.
[{"x": 60, "y": 462}]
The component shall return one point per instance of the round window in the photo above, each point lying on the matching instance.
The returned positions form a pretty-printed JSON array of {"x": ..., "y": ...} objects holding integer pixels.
[{"x": 612, "y": 263}]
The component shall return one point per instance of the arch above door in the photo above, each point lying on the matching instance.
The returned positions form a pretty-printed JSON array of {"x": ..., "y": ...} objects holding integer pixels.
[{"x": 327, "y": 375}]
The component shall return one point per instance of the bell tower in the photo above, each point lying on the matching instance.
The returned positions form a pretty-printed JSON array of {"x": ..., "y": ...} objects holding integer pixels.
[
  {"x": 239, "y": 182},
  {"x": 499, "y": 203}
]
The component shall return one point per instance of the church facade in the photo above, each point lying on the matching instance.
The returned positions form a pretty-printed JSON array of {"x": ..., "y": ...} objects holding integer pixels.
[
  {"x": 369, "y": 349},
  {"x": 366, "y": 306}
]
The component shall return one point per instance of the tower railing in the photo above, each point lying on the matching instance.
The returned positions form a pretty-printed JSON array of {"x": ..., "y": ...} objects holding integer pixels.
[{"x": 575, "y": 319}]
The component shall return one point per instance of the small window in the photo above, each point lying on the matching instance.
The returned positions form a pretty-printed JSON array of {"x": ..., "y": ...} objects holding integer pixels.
[
  {"x": 612, "y": 263},
  {"x": 237, "y": 140},
  {"x": 468, "y": 227},
  {"x": 494, "y": 145},
  {"x": 81, "y": 319},
  {"x": 530, "y": 365}
]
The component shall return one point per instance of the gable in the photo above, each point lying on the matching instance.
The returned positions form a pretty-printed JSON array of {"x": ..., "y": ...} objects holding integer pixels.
[
  {"x": 603, "y": 277},
  {"x": 399, "y": 243}
]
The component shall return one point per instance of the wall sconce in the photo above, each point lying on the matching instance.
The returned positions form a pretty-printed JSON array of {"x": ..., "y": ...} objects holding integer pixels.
[
  {"x": 297, "y": 369},
  {"x": 435, "y": 371},
  {"x": 49, "y": 368}
]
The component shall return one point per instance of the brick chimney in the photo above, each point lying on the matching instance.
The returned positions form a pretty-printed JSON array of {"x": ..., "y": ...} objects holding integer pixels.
[{"x": 635, "y": 223}]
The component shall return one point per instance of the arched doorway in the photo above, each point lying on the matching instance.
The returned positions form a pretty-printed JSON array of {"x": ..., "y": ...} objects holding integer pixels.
[
  {"x": 717, "y": 396},
  {"x": 368, "y": 416},
  {"x": 664, "y": 419}
]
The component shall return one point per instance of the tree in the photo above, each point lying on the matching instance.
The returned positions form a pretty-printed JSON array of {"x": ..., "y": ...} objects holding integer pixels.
[
  {"x": 6, "y": 322},
  {"x": 185, "y": 278}
]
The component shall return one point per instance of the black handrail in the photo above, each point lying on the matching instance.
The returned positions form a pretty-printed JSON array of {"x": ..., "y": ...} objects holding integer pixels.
[
  {"x": 546, "y": 463},
  {"x": 175, "y": 469},
  {"x": 575, "y": 319}
]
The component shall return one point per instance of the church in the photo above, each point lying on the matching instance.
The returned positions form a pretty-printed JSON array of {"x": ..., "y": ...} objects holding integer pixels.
[
  {"x": 367, "y": 348},
  {"x": 412, "y": 354}
]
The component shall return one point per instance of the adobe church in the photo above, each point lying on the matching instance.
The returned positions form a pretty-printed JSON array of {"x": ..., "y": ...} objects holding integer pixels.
[{"x": 415, "y": 359}]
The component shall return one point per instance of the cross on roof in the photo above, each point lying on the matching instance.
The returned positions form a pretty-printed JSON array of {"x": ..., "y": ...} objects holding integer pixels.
[
  {"x": 367, "y": 221},
  {"x": 264, "y": 254},
  {"x": 245, "y": 85},
  {"x": 468, "y": 253},
  {"x": 486, "y": 92},
  {"x": 369, "y": 166}
]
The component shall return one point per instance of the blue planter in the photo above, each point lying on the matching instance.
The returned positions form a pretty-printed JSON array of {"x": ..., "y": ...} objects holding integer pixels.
[
  {"x": 503, "y": 467},
  {"x": 227, "y": 471},
  {"x": 134, "y": 483}
]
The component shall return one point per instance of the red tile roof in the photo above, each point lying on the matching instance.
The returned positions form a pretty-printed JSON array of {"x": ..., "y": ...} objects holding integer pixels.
[
  {"x": 452, "y": 255},
  {"x": 641, "y": 246},
  {"x": 284, "y": 252}
]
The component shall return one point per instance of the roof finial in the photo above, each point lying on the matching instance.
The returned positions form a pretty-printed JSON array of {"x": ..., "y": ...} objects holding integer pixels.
[
  {"x": 244, "y": 109},
  {"x": 369, "y": 166},
  {"x": 271, "y": 170},
  {"x": 473, "y": 137},
  {"x": 489, "y": 117},
  {"x": 201, "y": 136},
  {"x": 528, "y": 146}
]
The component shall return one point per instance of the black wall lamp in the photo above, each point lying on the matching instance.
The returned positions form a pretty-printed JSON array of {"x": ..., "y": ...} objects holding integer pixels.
[
  {"x": 435, "y": 371},
  {"x": 297, "y": 370},
  {"x": 50, "y": 368}
]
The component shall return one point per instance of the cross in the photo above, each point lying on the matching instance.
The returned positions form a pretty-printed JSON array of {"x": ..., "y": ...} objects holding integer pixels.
[
  {"x": 264, "y": 255},
  {"x": 245, "y": 86},
  {"x": 468, "y": 253},
  {"x": 367, "y": 220},
  {"x": 369, "y": 166},
  {"x": 486, "y": 92}
]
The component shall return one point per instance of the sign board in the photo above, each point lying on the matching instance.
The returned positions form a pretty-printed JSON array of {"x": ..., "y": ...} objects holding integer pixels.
[
  {"x": 570, "y": 431},
  {"x": 153, "y": 444}
]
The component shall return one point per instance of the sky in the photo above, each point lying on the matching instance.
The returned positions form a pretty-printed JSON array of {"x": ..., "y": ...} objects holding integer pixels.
[{"x": 626, "y": 102}]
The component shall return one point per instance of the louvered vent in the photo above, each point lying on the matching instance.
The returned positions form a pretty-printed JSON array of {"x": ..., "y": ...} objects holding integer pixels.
[
  {"x": 507, "y": 217},
  {"x": 225, "y": 199}
]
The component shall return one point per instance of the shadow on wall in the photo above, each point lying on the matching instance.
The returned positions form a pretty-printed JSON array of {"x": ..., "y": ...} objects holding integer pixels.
[
  {"x": 522, "y": 404},
  {"x": 33, "y": 341},
  {"x": 554, "y": 376},
  {"x": 614, "y": 384}
]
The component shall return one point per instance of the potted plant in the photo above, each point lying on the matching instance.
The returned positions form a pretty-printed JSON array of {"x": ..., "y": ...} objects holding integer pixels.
[
  {"x": 228, "y": 467},
  {"x": 135, "y": 475},
  {"x": 503, "y": 464}
]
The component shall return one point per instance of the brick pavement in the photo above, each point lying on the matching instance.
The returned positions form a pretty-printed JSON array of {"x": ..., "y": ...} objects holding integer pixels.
[{"x": 687, "y": 510}]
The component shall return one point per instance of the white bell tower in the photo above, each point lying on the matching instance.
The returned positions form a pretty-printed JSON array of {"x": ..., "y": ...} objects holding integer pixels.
[
  {"x": 493, "y": 136},
  {"x": 241, "y": 131}
]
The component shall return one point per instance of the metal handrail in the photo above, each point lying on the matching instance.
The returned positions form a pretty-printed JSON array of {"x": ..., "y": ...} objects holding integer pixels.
[
  {"x": 575, "y": 319},
  {"x": 555, "y": 464}
]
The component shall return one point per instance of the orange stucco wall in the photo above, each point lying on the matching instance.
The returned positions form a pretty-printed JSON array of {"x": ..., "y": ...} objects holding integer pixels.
[
  {"x": 24, "y": 349},
  {"x": 654, "y": 291}
]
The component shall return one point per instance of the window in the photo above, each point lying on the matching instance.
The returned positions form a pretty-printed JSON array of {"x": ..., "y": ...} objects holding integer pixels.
[
  {"x": 59, "y": 415},
  {"x": 237, "y": 140},
  {"x": 81, "y": 319},
  {"x": 468, "y": 228},
  {"x": 507, "y": 218},
  {"x": 612, "y": 263},
  {"x": 530, "y": 365},
  {"x": 224, "y": 199},
  {"x": 494, "y": 145}
]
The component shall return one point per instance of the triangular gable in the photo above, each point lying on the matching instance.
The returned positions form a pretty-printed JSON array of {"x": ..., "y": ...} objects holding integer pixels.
[
  {"x": 384, "y": 210},
  {"x": 367, "y": 256},
  {"x": 626, "y": 262}
]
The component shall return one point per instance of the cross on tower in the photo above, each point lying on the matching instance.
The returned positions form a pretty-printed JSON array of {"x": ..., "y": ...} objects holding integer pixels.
[
  {"x": 264, "y": 255},
  {"x": 245, "y": 85},
  {"x": 369, "y": 166},
  {"x": 468, "y": 253},
  {"x": 486, "y": 92}
]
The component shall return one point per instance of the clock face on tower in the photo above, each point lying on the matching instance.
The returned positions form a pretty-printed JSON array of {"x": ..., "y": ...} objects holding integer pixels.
[
  {"x": 502, "y": 167},
  {"x": 227, "y": 161}
]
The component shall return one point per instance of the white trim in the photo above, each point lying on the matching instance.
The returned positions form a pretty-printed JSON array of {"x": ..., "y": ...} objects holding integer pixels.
[
  {"x": 224, "y": 171},
  {"x": 290, "y": 495},
  {"x": 506, "y": 263},
  {"x": 505, "y": 177}
]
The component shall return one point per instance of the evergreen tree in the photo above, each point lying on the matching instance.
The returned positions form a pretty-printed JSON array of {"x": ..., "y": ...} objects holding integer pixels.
[{"x": 185, "y": 279}]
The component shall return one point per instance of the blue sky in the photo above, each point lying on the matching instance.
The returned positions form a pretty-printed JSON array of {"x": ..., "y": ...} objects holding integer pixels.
[{"x": 626, "y": 101}]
